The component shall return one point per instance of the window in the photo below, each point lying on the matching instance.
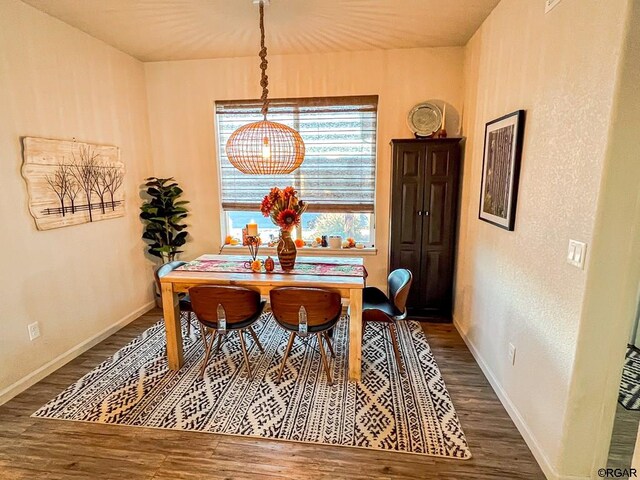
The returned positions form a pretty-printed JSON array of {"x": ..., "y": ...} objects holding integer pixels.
[{"x": 337, "y": 177}]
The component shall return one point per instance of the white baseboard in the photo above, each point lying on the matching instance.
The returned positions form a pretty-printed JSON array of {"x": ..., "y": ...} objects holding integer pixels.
[
  {"x": 513, "y": 412},
  {"x": 50, "y": 367}
]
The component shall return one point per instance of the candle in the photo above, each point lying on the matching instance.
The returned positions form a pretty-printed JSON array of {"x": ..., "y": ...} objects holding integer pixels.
[
  {"x": 252, "y": 229},
  {"x": 444, "y": 115}
]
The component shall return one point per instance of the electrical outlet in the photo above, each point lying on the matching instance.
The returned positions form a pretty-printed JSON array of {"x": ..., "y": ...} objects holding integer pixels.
[
  {"x": 512, "y": 354},
  {"x": 549, "y": 4},
  {"x": 34, "y": 331}
]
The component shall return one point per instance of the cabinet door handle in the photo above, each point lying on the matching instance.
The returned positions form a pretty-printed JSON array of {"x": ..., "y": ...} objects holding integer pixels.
[
  {"x": 426, "y": 213},
  {"x": 420, "y": 212}
]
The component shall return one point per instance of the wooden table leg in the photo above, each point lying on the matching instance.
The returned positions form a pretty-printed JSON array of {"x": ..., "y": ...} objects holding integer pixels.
[
  {"x": 355, "y": 334},
  {"x": 171, "y": 313}
]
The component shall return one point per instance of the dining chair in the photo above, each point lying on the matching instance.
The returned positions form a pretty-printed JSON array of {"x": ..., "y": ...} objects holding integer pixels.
[
  {"x": 377, "y": 307},
  {"x": 319, "y": 308},
  {"x": 224, "y": 309},
  {"x": 184, "y": 301}
]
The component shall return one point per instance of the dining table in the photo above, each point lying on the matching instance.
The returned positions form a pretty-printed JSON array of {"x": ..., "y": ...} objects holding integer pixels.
[{"x": 344, "y": 275}]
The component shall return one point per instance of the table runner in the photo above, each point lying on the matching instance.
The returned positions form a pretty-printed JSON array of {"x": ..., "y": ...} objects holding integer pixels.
[{"x": 301, "y": 268}]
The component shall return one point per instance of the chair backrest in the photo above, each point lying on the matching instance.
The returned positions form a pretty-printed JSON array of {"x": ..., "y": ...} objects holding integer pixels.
[
  {"x": 399, "y": 282},
  {"x": 239, "y": 303},
  {"x": 321, "y": 305},
  {"x": 164, "y": 269}
]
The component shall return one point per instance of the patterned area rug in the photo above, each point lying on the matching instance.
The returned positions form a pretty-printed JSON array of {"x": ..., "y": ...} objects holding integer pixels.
[
  {"x": 629, "y": 395},
  {"x": 388, "y": 410}
]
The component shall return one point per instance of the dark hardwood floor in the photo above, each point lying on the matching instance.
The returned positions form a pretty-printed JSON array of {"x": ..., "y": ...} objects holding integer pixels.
[
  {"x": 53, "y": 449},
  {"x": 623, "y": 438}
]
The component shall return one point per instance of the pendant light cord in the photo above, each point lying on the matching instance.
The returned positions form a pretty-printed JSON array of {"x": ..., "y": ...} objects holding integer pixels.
[{"x": 264, "y": 79}]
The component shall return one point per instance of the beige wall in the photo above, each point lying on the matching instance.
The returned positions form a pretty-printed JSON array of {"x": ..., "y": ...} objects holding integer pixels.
[
  {"x": 613, "y": 283},
  {"x": 516, "y": 287},
  {"x": 77, "y": 281},
  {"x": 181, "y": 99}
]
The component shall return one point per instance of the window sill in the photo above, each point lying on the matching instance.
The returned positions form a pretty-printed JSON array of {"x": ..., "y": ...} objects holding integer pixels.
[{"x": 305, "y": 251}]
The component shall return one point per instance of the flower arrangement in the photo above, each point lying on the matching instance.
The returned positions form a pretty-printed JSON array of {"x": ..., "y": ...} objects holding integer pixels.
[{"x": 283, "y": 207}]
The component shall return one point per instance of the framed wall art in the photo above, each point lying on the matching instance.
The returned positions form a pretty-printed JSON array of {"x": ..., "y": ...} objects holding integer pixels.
[
  {"x": 501, "y": 168},
  {"x": 71, "y": 182}
]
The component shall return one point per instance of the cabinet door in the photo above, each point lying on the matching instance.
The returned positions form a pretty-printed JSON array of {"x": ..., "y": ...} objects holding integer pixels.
[
  {"x": 438, "y": 228},
  {"x": 407, "y": 201}
]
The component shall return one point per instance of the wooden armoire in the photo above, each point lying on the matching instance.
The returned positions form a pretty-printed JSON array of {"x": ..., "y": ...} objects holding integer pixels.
[{"x": 424, "y": 218}]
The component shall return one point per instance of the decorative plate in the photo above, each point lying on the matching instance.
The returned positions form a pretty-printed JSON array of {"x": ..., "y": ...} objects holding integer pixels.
[{"x": 425, "y": 119}]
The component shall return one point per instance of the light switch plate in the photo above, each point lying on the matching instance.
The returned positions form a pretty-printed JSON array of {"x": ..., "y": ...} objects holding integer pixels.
[
  {"x": 576, "y": 253},
  {"x": 549, "y": 4}
]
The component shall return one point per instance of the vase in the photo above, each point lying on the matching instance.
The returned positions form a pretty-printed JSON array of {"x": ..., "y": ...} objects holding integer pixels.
[{"x": 286, "y": 251}]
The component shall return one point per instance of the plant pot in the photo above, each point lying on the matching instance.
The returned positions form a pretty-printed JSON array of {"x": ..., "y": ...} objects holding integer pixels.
[
  {"x": 286, "y": 251},
  {"x": 158, "y": 298}
]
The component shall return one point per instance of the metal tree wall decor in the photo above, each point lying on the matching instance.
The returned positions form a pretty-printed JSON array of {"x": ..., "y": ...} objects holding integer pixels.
[
  {"x": 71, "y": 182},
  {"x": 265, "y": 147}
]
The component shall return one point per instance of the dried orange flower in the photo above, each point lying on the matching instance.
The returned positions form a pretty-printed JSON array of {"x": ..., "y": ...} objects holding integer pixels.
[{"x": 256, "y": 265}]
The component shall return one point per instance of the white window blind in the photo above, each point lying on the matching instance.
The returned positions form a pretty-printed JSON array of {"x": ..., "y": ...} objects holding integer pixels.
[{"x": 338, "y": 172}]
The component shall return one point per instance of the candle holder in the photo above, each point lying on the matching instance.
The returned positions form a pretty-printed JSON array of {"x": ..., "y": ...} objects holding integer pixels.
[{"x": 253, "y": 243}]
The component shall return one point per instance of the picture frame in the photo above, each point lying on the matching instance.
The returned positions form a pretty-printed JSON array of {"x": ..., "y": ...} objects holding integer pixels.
[{"x": 503, "y": 138}]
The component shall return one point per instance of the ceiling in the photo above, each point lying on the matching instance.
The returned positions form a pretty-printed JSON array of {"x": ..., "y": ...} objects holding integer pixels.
[{"x": 156, "y": 30}]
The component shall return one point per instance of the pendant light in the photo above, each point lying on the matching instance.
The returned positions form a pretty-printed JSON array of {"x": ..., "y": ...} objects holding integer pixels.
[{"x": 265, "y": 147}]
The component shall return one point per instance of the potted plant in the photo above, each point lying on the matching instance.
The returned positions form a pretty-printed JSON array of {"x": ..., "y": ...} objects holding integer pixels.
[
  {"x": 285, "y": 210},
  {"x": 163, "y": 215}
]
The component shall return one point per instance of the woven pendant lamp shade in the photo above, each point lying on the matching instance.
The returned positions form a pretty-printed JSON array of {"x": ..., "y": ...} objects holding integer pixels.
[{"x": 265, "y": 148}]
